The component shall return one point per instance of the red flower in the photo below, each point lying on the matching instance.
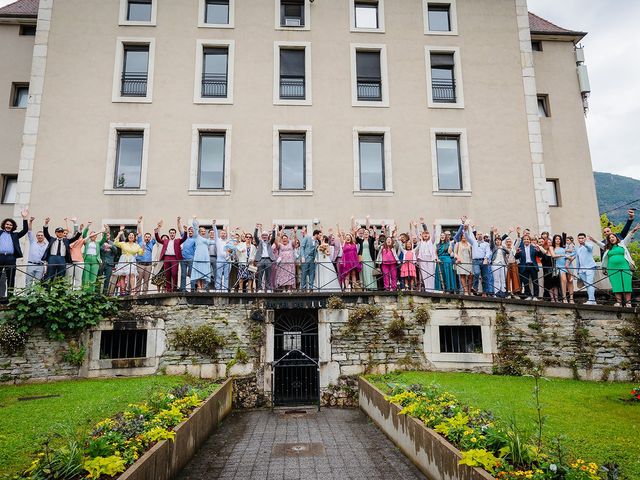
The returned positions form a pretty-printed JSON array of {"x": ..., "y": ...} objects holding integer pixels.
[
  {"x": 633, "y": 392},
  {"x": 638, "y": 397}
]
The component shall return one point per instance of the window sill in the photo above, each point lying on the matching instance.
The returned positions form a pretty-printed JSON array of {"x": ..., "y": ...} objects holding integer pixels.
[
  {"x": 147, "y": 99},
  {"x": 450, "y": 33},
  {"x": 127, "y": 23},
  {"x": 114, "y": 191},
  {"x": 367, "y": 30},
  {"x": 17, "y": 108},
  {"x": 213, "y": 101},
  {"x": 210, "y": 193},
  {"x": 302, "y": 28},
  {"x": 373, "y": 193},
  {"x": 305, "y": 102},
  {"x": 372, "y": 104},
  {"x": 455, "y": 193},
  {"x": 457, "y": 105},
  {"x": 215, "y": 25},
  {"x": 292, "y": 193}
]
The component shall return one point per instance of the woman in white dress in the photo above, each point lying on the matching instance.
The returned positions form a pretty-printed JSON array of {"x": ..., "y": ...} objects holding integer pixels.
[{"x": 326, "y": 276}]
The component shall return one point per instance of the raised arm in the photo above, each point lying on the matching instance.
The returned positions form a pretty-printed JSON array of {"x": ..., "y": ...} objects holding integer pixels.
[
  {"x": 156, "y": 232},
  {"x": 45, "y": 229},
  {"x": 195, "y": 224},
  {"x": 25, "y": 223},
  {"x": 630, "y": 235},
  {"x": 627, "y": 226}
]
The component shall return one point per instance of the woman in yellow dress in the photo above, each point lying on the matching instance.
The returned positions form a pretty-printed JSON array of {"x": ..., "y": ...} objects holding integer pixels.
[{"x": 126, "y": 269}]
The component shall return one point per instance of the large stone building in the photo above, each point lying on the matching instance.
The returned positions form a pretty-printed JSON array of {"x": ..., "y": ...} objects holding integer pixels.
[{"x": 294, "y": 111}]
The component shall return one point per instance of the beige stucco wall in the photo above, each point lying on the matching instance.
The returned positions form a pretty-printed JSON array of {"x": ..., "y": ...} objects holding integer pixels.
[
  {"x": 566, "y": 146},
  {"x": 77, "y": 111},
  {"x": 15, "y": 67}
]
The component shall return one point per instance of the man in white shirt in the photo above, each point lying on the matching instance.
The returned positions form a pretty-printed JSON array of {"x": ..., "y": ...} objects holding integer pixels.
[{"x": 37, "y": 247}]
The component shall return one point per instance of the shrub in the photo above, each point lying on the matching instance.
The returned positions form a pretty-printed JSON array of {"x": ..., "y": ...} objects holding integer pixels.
[
  {"x": 396, "y": 329},
  {"x": 204, "y": 340},
  {"x": 422, "y": 314},
  {"x": 63, "y": 463},
  {"x": 59, "y": 309},
  {"x": 74, "y": 355},
  {"x": 362, "y": 313},
  {"x": 335, "y": 303},
  {"x": 12, "y": 340}
]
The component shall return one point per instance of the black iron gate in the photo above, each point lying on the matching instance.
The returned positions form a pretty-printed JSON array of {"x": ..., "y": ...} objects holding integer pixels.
[{"x": 296, "y": 371}]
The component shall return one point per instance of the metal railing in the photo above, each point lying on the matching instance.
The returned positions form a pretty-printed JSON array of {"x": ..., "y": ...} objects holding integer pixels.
[
  {"x": 369, "y": 90},
  {"x": 532, "y": 282},
  {"x": 443, "y": 91},
  {"x": 292, "y": 88},
  {"x": 134, "y": 84},
  {"x": 214, "y": 85}
]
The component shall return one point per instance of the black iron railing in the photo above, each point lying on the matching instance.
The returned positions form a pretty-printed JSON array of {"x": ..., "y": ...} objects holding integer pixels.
[
  {"x": 370, "y": 90},
  {"x": 134, "y": 84},
  {"x": 214, "y": 85},
  {"x": 292, "y": 88},
  {"x": 444, "y": 91}
]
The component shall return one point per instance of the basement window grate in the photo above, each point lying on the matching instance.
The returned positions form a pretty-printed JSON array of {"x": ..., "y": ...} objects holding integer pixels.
[
  {"x": 123, "y": 344},
  {"x": 460, "y": 339}
]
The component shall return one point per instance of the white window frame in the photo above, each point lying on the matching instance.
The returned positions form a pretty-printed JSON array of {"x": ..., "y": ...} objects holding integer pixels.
[
  {"x": 196, "y": 129},
  {"x": 308, "y": 88},
  {"x": 388, "y": 174},
  {"x": 444, "y": 221},
  {"x": 122, "y": 20},
  {"x": 352, "y": 18},
  {"x": 202, "y": 11},
  {"x": 201, "y": 44},
  {"x": 457, "y": 72},
  {"x": 112, "y": 147},
  {"x": 556, "y": 187},
  {"x": 384, "y": 74},
  {"x": 453, "y": 17},
  {"x": 464, "y": 162},
  {"x": 388, "y": 222},
  {"x": 307, "y": 130},
  {"x": 307, "y": 17},
  {"x": 116, "y": 97},
  {"x": 307, "y": 222}
]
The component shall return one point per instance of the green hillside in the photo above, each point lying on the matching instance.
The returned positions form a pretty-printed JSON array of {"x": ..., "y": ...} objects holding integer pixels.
[{"x": 615, "y": 190}]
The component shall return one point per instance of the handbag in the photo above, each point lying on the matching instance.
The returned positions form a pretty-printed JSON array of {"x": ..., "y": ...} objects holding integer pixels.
[
  {"x": 555, "y": 273},
  {"x": 252, "y": 268},
  {"x": 376, "y": 272}
]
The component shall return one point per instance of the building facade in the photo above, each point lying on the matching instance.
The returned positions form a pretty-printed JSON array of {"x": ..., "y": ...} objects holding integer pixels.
[{"x": 297, "y": 112}]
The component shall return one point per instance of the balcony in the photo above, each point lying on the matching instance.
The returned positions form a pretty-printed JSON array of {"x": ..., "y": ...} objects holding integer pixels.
[
  {"x": 444, "y": 90},
  {"x": 134, "y": 84},
  {"x": 292, "y": 88},
  {"x": 370, "y": 90},
  {"x": 214, "y": 85}
]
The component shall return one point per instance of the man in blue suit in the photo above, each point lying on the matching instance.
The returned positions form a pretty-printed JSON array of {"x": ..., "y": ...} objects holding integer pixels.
[{"x": 527, "y": 255}]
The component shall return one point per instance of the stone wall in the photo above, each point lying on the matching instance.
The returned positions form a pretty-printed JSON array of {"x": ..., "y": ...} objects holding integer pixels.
[{"x": 399, "y": 332}]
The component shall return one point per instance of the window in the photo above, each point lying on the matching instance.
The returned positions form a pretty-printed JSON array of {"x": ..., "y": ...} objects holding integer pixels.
[
  {"x": 552, "y": 192},
  {"x": 448, "y": 158},
  {"x": 135, "y": 71},
  {"x": 139, "y": 10},
  {"x": 9, "y": 189},
  {"x": 20, "y": 95},
  {"x": 292, "y": 161},
  {"x": 366, "y": 15},
  {"x": 369, "y": 76},
  {"x": 128, "y": 169},
  {"x": 211, "y": 160},
  {"x": 443, "y": 83},
  {"x": 216, "y": 12},
  {"x": 214, "y": 71},
  {"x": 450, "y": 162},
  {"x": 444, "y": 77},
  {"x": 292, "y": 13},
  {"x": 292, "y": 74},
  {"x": 543, "y": 106},
  {"x": 123, "y": 344},
  {"x": 460, "y": 339},
  {"x": 536, "y": 45},
  {"x": 371, "y": 148},
  {"x": 440, "y": 17},
  {"x": 28, "y": 30}
]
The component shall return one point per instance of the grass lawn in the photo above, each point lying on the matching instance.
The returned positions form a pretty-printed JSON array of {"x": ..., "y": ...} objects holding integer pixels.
[
  {"x": 81, "y": 403},
  {"x": 597, "y": 425}
]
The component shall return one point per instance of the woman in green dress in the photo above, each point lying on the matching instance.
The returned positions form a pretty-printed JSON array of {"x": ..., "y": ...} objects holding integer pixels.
[
  {"x": 618, "y": 263},
  {"x": 367, "y": 253}
]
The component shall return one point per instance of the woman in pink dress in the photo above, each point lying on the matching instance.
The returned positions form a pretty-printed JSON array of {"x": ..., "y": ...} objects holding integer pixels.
[
  {"x": 408, "y": 268},
  {"x": 349, "y": 263},
  {"x": 285, "y": 263},
  {"x": 388, "y": 261}
]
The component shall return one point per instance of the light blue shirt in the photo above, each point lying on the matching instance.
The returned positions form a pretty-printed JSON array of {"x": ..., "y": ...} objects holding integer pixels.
[
  {"x": 479, "y": 250},
  {"x": 36, "y": 250},
  {"x": 147, "y": 256},
  {"x": 6, "y": 243},
  {"x": 584, "y": 256},
  {"x": 189, "y": 248}
]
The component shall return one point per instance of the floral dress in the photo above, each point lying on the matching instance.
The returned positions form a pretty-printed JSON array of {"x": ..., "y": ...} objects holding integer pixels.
[
  {"x": 127, "y": 263},
  {"x": 286, "y": 266}
]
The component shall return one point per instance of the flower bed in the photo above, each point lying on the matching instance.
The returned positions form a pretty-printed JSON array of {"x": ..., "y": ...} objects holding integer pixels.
[
  {"x": 117, "y": 442},
  {"x": 503, "y": 450}
]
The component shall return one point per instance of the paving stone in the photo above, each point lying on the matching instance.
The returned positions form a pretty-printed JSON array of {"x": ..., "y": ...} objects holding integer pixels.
[{"x": 354, "y": 449}]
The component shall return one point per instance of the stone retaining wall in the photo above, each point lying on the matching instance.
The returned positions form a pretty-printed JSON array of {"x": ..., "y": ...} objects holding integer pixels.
[{"x": 587, "y": 342}]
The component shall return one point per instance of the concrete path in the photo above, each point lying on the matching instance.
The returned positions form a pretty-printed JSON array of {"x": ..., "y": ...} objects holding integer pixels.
[{"x": 333, "y": 444}]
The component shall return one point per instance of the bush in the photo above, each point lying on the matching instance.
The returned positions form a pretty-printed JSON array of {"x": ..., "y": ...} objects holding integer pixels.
[
  {"x": 335, "y": 303},
  {"x": 204, "y": 340},
  {"x": 362, "y": 313},
  {"x": 59, "y": 310},
  {"x": 422, "y": 314},
  {"x": 12, "y": 341},
  {"x": 396, "y": 329},
  {"x": 74, "y": 355}
]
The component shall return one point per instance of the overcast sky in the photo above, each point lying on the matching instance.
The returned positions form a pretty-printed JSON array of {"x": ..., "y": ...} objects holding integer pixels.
[{"x": 612, "y": 52}]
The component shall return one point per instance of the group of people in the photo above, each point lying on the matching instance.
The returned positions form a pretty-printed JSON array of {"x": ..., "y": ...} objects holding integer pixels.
[{"x": 515, "y": 263}]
